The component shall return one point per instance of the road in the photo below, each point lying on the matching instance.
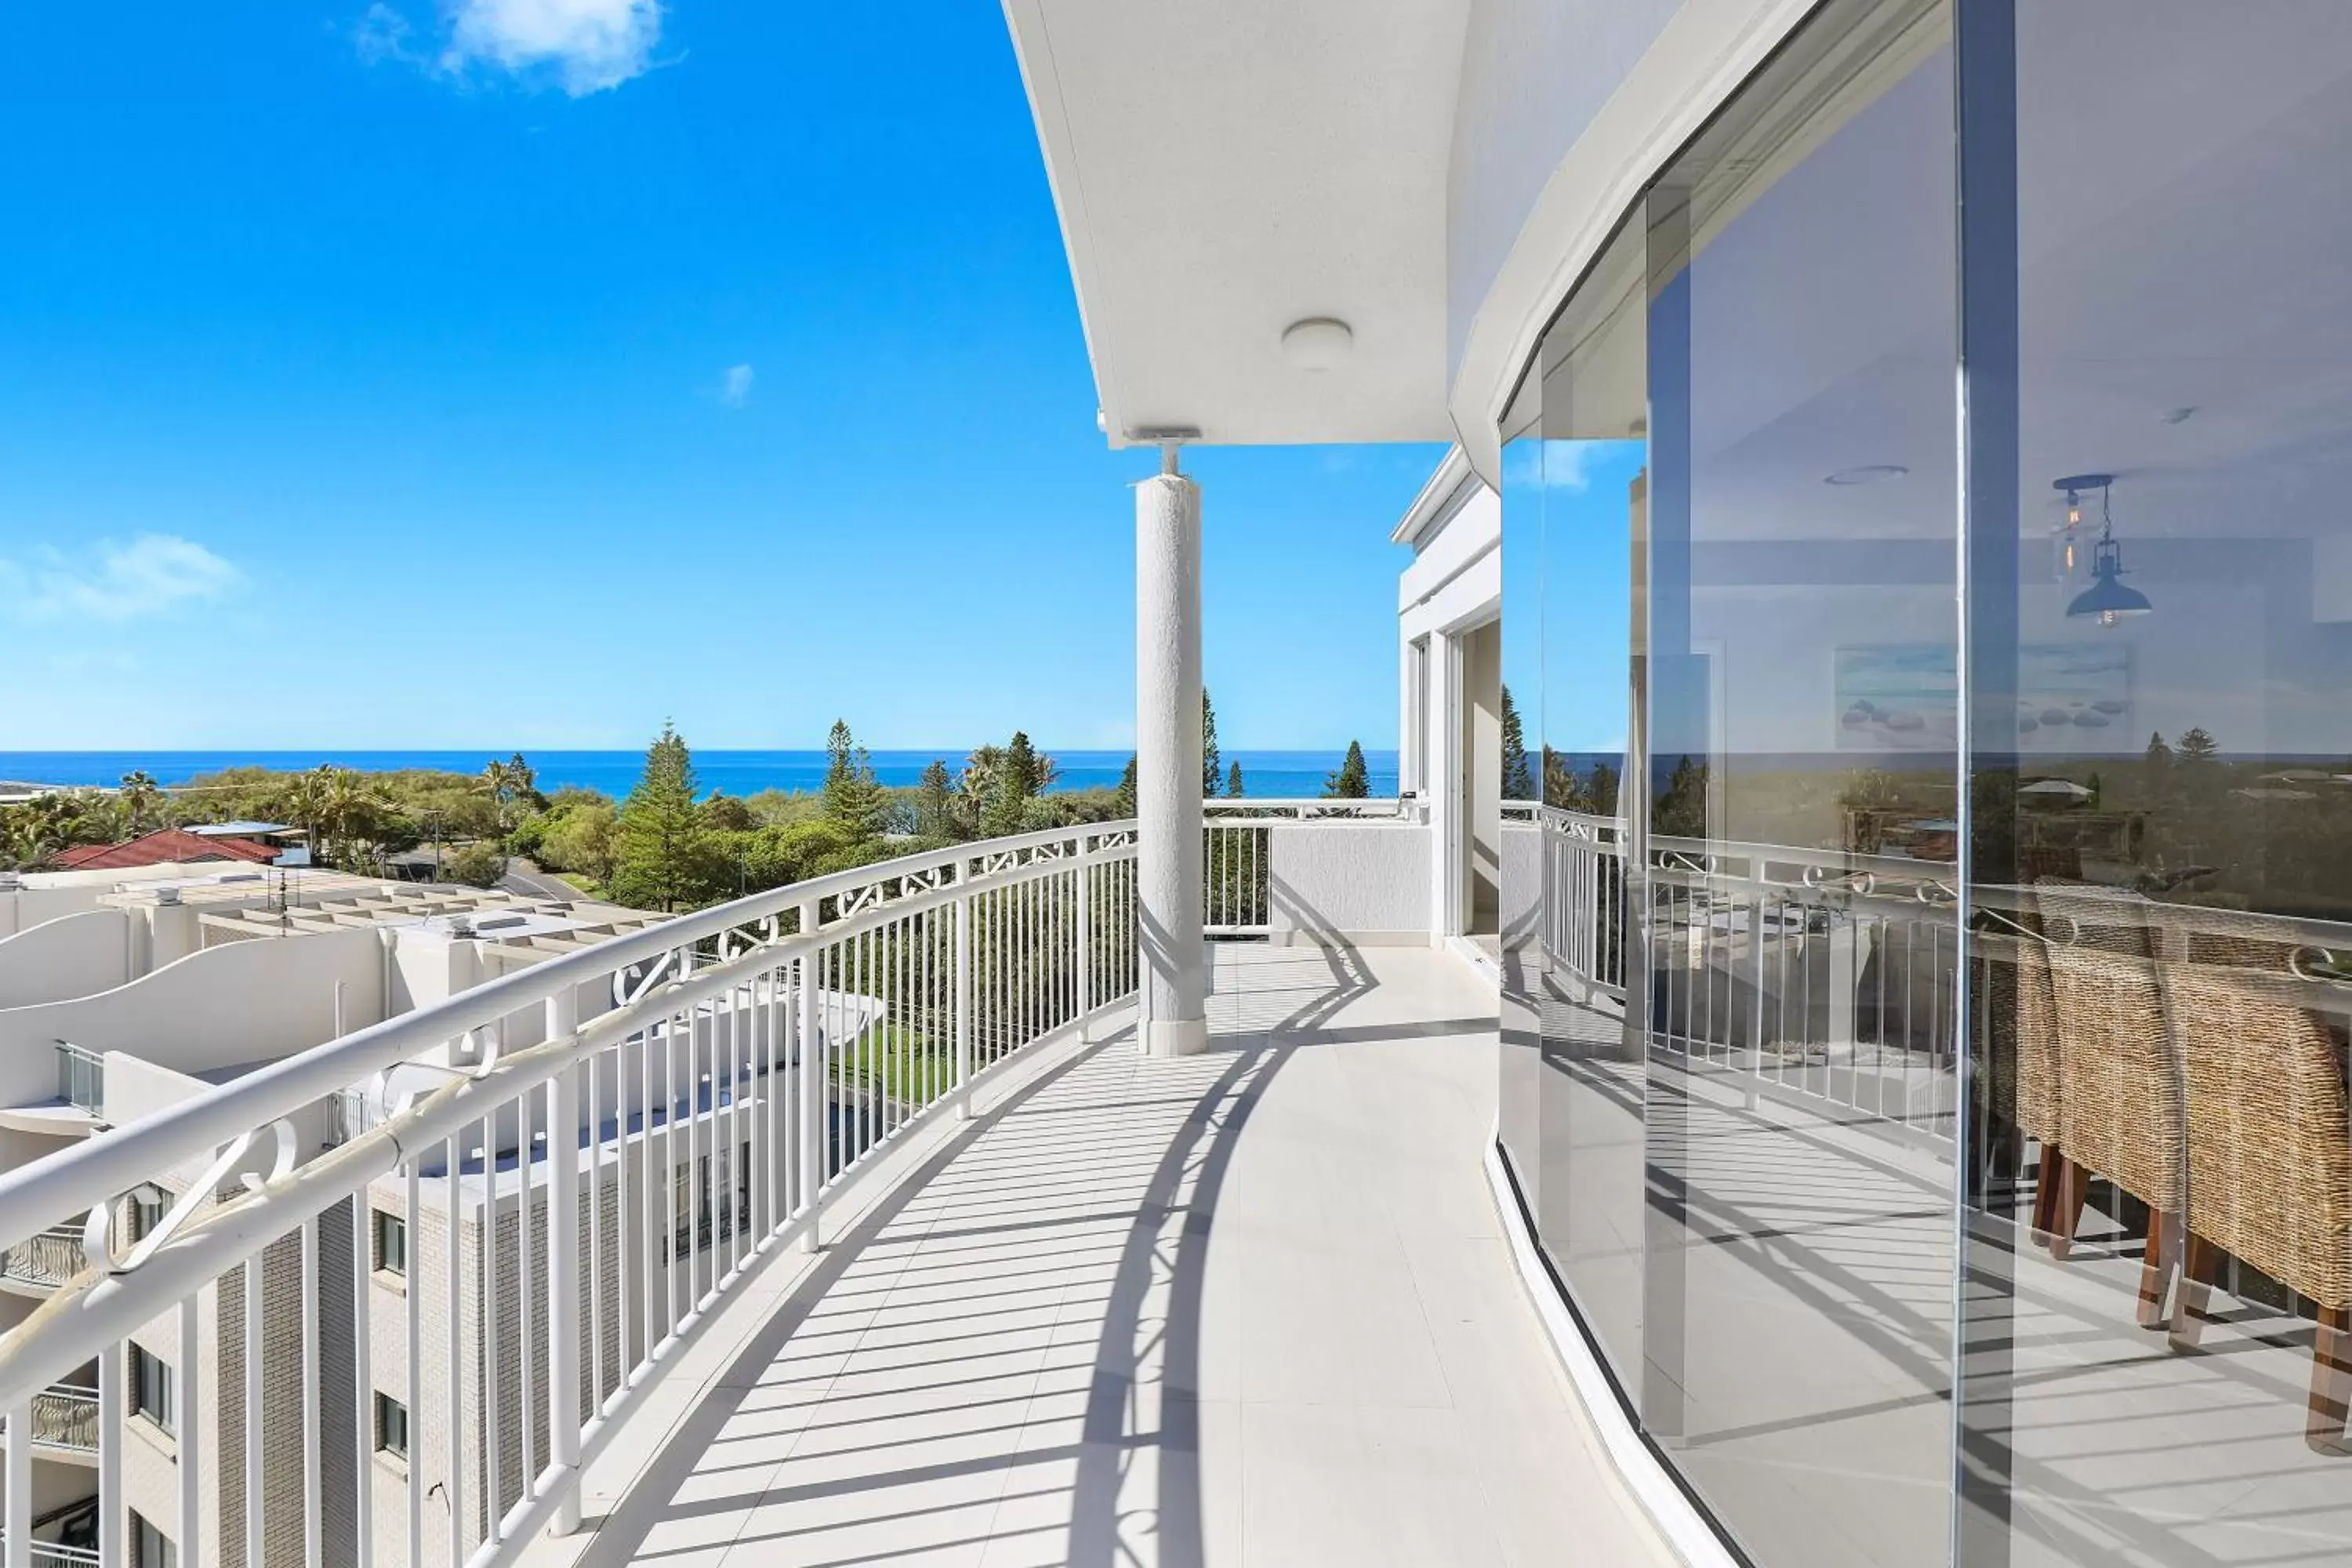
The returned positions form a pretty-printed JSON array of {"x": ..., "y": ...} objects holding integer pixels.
[{"x": 527, "y": 881}]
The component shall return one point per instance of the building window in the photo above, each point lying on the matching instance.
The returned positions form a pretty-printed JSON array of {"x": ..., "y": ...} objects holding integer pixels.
[
  {"x": 390, "y": 1426},
  {"x": 391, "y": 1243},
  {"x": 151, "y": 1547},
  {"x": 147, "y": 1207},
  {"x": 151, "y": 1387}
]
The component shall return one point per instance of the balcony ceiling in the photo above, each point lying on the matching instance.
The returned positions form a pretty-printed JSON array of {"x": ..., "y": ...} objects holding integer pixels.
[{"x": 1226, "y": 168}]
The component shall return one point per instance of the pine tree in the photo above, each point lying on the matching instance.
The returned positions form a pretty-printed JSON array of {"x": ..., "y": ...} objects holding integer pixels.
[
  {"x": 1234, "y": 780},
  {"x": 852, "y": 799},
  {"x": 1210, "y": 768},
  {"x": 2198, "y": 748},
  {"x": 1681, "y": 811},
  {"x": 658, "y": 859},
  {"x": 934, "y": 803},
  {"x": 1518, "y": 778},
  {"x": 1353, "y": 781},
  {"x": 2159, "y": 755},
  {"x": 1601, "y": 791},
  {"x": 1005, "y": 806},
  {"x": 1123, "y": 798}
]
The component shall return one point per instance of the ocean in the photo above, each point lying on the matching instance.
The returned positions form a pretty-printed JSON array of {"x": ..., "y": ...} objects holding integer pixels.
[{"x": 1267, "y": 774}]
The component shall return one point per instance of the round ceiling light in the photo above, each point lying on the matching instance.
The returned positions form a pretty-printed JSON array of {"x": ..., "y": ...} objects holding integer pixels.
[
  {"x": 1868, "y": 474},
  {"x": 1319, "y": 344}
]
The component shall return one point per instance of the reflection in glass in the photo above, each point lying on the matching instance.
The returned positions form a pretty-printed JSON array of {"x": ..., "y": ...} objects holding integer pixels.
[
  {"x": 2164, "y": 842},
  {"x": 1794, "y": 906}
]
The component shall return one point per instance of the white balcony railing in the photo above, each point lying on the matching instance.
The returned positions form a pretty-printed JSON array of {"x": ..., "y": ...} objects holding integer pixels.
[
  {"x": 54, "y": 1555},
  {"x": 1236, "y": 894},
  {"x": 66, "y": 1416},
  {"x": 714, "y": 1078},
  {"x": 48, "y": 1257}
]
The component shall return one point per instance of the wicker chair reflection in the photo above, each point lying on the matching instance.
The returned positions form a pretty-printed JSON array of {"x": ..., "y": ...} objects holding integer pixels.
[
  {"x": 2269, "y": 1146},
  {"x": 2120, "y": 1113}
]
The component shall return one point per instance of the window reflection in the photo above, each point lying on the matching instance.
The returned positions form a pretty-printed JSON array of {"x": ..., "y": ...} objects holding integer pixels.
[
  {"x": 1789, "y": 1108},
  {"x": 2168, "y": 843}
]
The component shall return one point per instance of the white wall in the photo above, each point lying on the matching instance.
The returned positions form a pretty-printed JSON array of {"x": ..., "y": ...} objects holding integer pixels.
[
  {"x": 1360, "y": 881},
  {"x": 73, "y": 956},
  {"x": 244, "y": 1002}
]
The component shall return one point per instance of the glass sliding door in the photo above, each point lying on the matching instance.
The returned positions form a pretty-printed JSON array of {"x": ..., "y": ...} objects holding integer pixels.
[
  {"x": 1929, "y": 938},
  {"x": 1593, "y": 460},
  {"x": 2161, "y": 1220},
  {"x": 1796, "y": 939}
]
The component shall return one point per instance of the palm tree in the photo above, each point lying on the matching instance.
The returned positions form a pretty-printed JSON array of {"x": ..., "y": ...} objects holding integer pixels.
[
  {"x": 351, "y": 810},
  {"x": 511, "y": 783},
  {"x": 139, "y": 795}
]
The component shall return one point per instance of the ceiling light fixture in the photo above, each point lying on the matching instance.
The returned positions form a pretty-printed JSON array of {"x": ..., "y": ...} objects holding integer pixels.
[
  {"x": 1317, "y": 343},
  {"x": 2106, "y": 600},
  {"x": 1868, "y": 474}
]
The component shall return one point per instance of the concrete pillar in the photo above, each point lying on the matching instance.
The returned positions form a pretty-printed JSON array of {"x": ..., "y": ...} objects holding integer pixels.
[{"x": 1173, "y": 1019}]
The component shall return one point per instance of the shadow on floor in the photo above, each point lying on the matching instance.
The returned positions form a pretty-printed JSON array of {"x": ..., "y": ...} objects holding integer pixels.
[{"x": 1148, "y": 1331}]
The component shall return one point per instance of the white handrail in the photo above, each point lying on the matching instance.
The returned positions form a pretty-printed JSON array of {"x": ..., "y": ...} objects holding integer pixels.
[
  {"x": 32, "y": 1196},
  {"x": 716, "y": 1108}
]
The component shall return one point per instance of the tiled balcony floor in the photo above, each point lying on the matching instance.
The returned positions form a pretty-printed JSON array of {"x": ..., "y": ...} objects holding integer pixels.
[{"x": 1247, "y": 1308}]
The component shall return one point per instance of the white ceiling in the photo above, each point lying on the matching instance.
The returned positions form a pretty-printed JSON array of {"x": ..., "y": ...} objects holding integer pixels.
[
  {"x": 1225, "y": 168},
  {"x": 2185, "y": 214}
]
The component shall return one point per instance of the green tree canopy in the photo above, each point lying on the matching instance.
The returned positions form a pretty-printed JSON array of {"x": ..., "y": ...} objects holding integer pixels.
[
  {"x": 1353, "y": 781},
  {"x": 1211, "y": 766},
  {"x": 1234, "y": 780},
  {"x": 1518, "y": 778},
  {"x": 142, "y": 801},
  {"x": 935, "y": 815},
  {"x": 1122, "y": 799},
  {"x": 658, "y": 854},
  {"x": 852, "y": 797}
]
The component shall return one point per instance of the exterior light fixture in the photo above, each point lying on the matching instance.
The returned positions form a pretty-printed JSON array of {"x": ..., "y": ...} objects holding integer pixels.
[
  {"x": 2106, "y": 600},
  {"x": 1868, "y": 474},
  {"x": 1317, "y": 343}
]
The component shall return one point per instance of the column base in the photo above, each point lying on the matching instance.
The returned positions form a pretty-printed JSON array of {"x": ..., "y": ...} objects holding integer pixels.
[{"x": 1175, "y": 1037}]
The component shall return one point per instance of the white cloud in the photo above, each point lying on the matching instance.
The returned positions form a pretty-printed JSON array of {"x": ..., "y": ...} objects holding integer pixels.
[
  {"x": 383, "y": 35},
  {"x": 590, "y": 44},
  {"x": 736, "y": 388},
  {"x": 114, "y": 582},
  {"x": 1555, "y": 464}
]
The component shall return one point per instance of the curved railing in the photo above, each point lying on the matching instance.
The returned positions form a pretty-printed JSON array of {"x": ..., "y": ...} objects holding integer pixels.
[
  {"x": 554, "y": 1178},
  {"x": 1235, "y": 896}
]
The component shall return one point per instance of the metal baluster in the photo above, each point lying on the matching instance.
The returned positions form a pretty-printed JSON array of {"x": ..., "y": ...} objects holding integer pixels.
[
  {"x": 811, "y": 1084},
  {"x": 312, "y": 1386},
  {"x": 414, "y": 1387},
  {"x": 254, "y": 1417},
  {"x": 455, "y": 1476},
  {"x": 362, "y": 1383},
  {"x": 20, "y": 1483},
  {"x": 563, "y": 1269}
]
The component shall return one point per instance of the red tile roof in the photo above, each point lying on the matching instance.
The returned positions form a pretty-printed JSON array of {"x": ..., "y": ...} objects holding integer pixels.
[{"x": 169, "y": 844}]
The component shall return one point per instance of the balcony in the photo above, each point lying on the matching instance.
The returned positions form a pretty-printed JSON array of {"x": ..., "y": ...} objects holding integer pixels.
[
  {"x": 42, "y": 1261},
  {"x": 1247, "y": 1306},
  {"x": 851, "y": 1216},
  {"x": 65, "y": 1424}
]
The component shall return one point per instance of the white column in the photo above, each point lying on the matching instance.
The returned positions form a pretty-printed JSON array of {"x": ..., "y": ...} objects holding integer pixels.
[
  {"x": 1173, "y": 1019},
  {"x": 1441, "y": 783}
]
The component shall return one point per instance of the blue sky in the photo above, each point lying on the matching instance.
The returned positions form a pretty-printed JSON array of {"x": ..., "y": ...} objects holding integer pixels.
[{"x": 523, "y": 372}]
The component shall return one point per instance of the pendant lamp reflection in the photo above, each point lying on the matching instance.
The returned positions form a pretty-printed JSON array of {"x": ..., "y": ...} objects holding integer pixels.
[{"x": 2107, "y": 600}]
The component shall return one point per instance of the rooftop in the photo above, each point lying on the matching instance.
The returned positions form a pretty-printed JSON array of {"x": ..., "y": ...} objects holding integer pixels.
[{"x": 165, "y": 846}]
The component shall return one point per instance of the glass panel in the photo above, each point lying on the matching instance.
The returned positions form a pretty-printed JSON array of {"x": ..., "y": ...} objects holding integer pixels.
[
  {"x": 1520, "y": 954},
  {"x": 1797, "y": 954},
  {"x": 1594, "y": 489},
  {"x": 2159, "y": 1307}
]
